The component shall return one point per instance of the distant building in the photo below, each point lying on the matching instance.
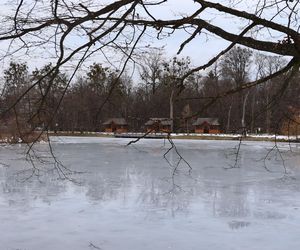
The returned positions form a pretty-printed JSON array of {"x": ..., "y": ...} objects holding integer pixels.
[
  {"x": 207, "y": 125},
  {"x": 159, "y": 125},
  {"x": 116, "y": 125}
]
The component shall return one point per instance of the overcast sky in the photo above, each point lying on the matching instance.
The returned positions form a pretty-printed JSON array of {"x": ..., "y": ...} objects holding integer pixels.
[{"x": 200, "y": 50}]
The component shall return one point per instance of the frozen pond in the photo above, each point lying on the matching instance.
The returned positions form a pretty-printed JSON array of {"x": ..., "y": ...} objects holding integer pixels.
[{"x": 126, "y": 198}]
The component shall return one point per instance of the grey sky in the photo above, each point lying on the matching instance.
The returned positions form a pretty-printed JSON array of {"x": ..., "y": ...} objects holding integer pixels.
[{"x": 200, "y": 50}]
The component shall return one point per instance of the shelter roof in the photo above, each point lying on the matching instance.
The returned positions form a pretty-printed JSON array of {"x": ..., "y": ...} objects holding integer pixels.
[
  {"x": 162, "y": 121},
  {"x": 210, "y": 120},
  {"x": 117, "y": 121}
]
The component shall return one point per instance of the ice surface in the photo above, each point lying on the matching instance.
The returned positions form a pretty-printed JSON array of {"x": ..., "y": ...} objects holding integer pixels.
[{"x": 126, "y": 197}]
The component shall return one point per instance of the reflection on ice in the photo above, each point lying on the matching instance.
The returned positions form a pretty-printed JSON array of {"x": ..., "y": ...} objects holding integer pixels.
[
  {"x": 126, "y": 198},
  {"x": 238, "y": 224}
]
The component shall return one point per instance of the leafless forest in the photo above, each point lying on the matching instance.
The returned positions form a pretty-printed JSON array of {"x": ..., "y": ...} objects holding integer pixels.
[
  {"x": 241, "y": 85},
  {"x": 88, "y": 102}
]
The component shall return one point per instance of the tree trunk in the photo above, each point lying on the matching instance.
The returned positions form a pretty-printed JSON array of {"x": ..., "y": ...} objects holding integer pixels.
[
  {"x": 253, "y": 111},
  {"x": 172, "y": 110},
  {"x": 229, "y": 117},
  {"x": 268, "y": 115},
  {"x": 243, "y": 115}
]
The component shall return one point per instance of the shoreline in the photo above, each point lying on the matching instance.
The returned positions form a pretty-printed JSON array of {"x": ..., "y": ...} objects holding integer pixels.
[
  {"x": 174, "y": 136},
  {"x": 179, "y": 136}
]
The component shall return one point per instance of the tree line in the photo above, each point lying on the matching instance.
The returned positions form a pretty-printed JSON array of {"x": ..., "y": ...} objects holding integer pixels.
[{"x": 156, "y": 90}]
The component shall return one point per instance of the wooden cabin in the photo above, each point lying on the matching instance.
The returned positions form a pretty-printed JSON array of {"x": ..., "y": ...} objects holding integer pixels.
[
  {"x": 158, "y": 125},
  {"x": 115, "y": 125},
  {"x": 207, "y": 126}
]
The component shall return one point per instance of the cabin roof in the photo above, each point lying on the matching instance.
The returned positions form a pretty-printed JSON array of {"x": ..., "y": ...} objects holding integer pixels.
[
  {"x": 162, "y": 121},
  {"x": 211, "y": 121},
  {"x": 117, "y": 121}
]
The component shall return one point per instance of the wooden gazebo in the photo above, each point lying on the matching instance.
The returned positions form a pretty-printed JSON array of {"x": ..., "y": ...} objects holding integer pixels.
[
  {"x": 159, "y": 125},
  {"x": 207, "y": 126},
  {"x": 115, "y": 125}
]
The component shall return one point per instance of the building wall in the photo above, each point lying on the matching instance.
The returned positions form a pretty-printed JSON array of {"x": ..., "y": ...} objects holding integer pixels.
[
  {"x": 155, "y": 129},
  {"x": 214, "y": 131},
  {"x": 121, "y": 130},
  {"x": 108, "y": 130},
  {"x": 211, "y": 131},
  {"x": 118, "y": 129},
  {"x": 166, "y": 130},
  {"x": 199, "y": 130}
]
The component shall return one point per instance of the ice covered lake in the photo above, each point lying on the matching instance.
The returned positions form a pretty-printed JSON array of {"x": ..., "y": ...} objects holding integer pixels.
[{"x": 125, "y": 197}]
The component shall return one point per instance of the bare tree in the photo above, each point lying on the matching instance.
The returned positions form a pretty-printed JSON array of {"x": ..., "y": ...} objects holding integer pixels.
[
  {"x": 174, "y": 70},
  {"x": 151, "y": 68},
  {"x": 267, "y": 65},
  {"x": 120, "y": 26},
  {"x": 235, "y": 67}
]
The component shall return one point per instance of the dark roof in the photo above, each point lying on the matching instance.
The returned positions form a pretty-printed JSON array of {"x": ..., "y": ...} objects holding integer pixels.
[
  {"x": 118, "y": 121},
  {"x": 162, "y": 121},
  {"x": 211, "y": 121}
]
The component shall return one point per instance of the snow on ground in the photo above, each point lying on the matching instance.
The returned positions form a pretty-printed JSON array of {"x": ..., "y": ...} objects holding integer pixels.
[
  {"x": 126, "y": 198},
  {"x": 185, "y": 143},
  {"x": 261, "y": 136}
]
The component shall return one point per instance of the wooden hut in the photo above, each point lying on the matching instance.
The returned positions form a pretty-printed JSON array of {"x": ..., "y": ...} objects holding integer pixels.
[
  {"x": 116, "y": 125},
  {"x": 207, "y": 126},
  {"x": 159, "y": 125}
]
